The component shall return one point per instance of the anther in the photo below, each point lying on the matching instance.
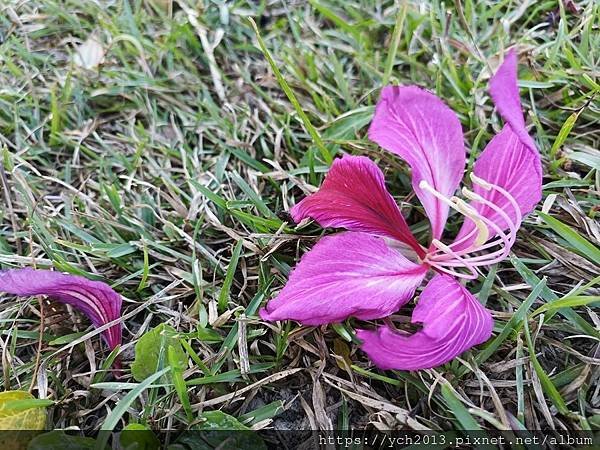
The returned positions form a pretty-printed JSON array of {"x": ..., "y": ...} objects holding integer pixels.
[{"x": 480, "y": 182}]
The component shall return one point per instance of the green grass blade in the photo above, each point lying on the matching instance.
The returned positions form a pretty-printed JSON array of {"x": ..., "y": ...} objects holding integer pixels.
[
  {"x": 466, "y": 420},
  {"x": 224, "y": 294},
  {"x": 121, "y": 407},
  {"x": 292, "y": 97},
  {"x": 581, "y": 245}
]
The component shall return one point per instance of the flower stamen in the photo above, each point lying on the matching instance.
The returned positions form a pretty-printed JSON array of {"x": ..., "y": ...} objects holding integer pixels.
[{"x": 446, "y": 257}]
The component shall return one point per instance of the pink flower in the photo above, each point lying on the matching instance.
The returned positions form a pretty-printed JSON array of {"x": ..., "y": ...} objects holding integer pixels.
[
  {"x": 95, "y": 299},
  {"x": 365, "y": 273}
]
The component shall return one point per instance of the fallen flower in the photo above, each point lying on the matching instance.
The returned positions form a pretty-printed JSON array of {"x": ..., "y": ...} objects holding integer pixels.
[
  {"x": 365, "y": 272},
  {"x": 95, "y": 299}
]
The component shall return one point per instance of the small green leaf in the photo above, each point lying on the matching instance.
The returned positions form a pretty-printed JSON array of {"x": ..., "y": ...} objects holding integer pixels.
[
  {"x": 151, "y": 351},
  {"x": 348, "y": 124},
  {"x": 563, "y": 133},
  {"x": 177, "y": 375},
  {"x": 264, "y": 412},
  {"x": 218, "y": 420}
]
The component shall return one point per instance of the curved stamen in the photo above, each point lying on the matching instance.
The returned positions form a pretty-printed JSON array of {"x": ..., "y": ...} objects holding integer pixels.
[
  {"x": 464, "y": 209},
  {"x": 452, "y": 272},
  {"x": 446, "y": 249},
  {"x": 507, "y": 195},
  {"x": 444, "y": 257},
  {"x": 512, "y": 224},
  {"x": 503, "y": 238},
  {"x": 478, "y": 198},
  {"x": 476, "y": 262}
]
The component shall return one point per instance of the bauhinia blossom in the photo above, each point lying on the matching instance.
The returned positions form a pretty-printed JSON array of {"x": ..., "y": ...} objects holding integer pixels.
[
  {"x": 98, "y": 301},
  {"x": 365, "y": 272}
]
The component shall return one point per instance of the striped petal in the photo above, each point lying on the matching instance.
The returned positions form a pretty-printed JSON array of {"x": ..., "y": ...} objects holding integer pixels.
[
  {"x": 510, "y": 162},
  {"x": 453, "y": 321},
  {"x": 348, "y": 274},
  {"x": 95, "y": 299},
  {"x": 417, "y": 126},
  {"x": 353, "y": 196}
]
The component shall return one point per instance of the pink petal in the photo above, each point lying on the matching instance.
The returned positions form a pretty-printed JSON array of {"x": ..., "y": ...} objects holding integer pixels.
[
  {"x": 505, "y": 93},
  {"x": 348, "y": 274},
  {"x": 95, "y": 299},
  {"x": 510, "y": 160},
  {"x": 421, "y": 129},
  {"x": 453, "y": 321},
  {"x": 354, "y": 196}
]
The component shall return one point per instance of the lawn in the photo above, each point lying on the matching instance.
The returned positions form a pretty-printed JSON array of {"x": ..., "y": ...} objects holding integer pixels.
[{"x": 159, "y": 145}]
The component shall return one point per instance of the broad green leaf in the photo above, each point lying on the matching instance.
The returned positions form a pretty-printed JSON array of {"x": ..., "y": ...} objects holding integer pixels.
[
  {"x": 216, "y": 427},
  {"x": 264, "y": 412},
  {"x": 136, "y": 436},
  {"x": 589, "y": 159},
  {"x": 151, "y": 351},
  {"x": 19, "y": 410},
  {"x": 59, "y": 440},
  {"x": 346, "y": 126}
]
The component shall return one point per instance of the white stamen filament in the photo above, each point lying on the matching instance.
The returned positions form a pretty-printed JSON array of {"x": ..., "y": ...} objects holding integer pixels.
[
  {"x": 444, "y": 258},
  {"x": 460, "y": 206}
]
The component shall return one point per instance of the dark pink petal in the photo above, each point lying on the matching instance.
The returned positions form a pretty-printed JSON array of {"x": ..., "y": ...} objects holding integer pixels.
[
  {"x": 453, "y": 321},
  {"x": 354, "y": 196},
  {"x": 510, "y": 161},
  {"x": 421, "y": 129},
  {"x": 348, "y": 274},
  {"x": 95, "y": 299}
]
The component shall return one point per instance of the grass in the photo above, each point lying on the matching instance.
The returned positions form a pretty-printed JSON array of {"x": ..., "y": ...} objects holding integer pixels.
[{"x": 167, "y": 170}]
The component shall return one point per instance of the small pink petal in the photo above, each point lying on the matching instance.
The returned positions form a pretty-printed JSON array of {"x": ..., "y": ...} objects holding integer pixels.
[
  {"x": 95, "y": 299},
  {"x": 348, "y": 274},
  {"x": 510, "y": 160},
  {"x": 422, "y": 130},
  {"x": 453, "y": 321},
  {"x": 354, "y": 196}
]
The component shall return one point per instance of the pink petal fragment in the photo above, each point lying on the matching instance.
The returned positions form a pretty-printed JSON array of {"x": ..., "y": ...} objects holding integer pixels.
[
  {"x": 505, "y": 93},
  {"x": 348, "y": 274},
  {"x": 354, "y": 196},
  {"x": 510, "y": 160},
  {"x": 421, "y": 129},
  {"x": 453, "y": 321},
  {"x": 95, "y": 299}
]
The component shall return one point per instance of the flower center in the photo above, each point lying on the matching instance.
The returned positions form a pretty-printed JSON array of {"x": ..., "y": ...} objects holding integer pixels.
[{"x": 450, "y": 258}]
